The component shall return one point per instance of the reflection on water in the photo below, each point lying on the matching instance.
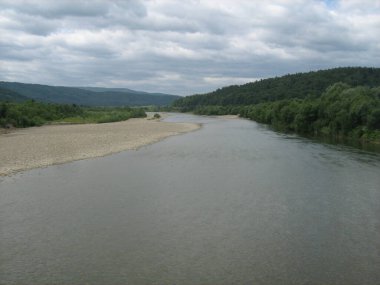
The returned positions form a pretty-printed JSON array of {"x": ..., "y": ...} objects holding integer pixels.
[{"x": 232, "y": 203}]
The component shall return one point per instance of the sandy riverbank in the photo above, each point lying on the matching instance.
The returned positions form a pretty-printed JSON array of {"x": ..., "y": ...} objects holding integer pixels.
[
  {"x": 229, "y": 117},
  {"x": 23, "y": 149}
]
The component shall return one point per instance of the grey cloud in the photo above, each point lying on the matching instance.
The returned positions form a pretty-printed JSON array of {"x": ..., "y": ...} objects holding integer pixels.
[
  {"x": 180, "y": 47},
  {"x": 33, "y": 25},
  {"x": 135, "y": 7},
  {"x": 57, "y": 9}
]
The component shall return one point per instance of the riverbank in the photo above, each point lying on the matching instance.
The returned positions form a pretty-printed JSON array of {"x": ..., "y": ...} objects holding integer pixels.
[{"x": 23, "y": 149}]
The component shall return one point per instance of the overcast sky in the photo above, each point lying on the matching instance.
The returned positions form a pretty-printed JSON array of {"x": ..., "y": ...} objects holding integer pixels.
[{"x": 182, "y": 47}]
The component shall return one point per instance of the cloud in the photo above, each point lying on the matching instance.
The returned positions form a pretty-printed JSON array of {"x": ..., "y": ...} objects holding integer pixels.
[
  {"x": 57, "y": 9},
  {"x": 181, "y": 47}
]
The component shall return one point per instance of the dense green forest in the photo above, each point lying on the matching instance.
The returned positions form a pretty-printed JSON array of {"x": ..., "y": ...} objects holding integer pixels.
[
  {"x": 310, "y": 103},
  {"x": 341, "y": 112},
  {"x": 87, "y": 96},
  {"x": 31, "y": 113},
  {"x": 300, "y": 85}
]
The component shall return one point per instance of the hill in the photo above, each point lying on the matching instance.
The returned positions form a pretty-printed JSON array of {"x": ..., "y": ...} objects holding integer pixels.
[
  {"x": 300, "y": 85},
  {"x": 341, "y": 103},
  {"x": 9, "y": 95},
  {"x": 104, "y": 89},
  {"x": 88, "y": 96}
]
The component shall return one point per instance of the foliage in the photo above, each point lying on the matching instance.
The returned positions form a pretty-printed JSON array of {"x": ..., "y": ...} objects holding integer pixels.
[
  {"x": 31, "y": 113},
  {"x": 105, "y": 115},
  {"x": 156, "y": 116},
  {"x": 341, "y": 111},
  {"x": 307, "y": 103},
  {"x": 300, "y": 85}
]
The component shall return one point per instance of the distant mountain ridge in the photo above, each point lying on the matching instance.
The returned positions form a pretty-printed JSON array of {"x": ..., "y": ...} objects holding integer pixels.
[
  {"x": 105, "y": 89},
  {"x": 9, "y": 95},
  {"x": 88, "y": 96}
]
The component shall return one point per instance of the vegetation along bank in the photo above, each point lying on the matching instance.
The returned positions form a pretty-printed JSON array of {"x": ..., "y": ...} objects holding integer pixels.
[
  {"x": 31, "y": 113},
  {"x": 341, "y": 103}
]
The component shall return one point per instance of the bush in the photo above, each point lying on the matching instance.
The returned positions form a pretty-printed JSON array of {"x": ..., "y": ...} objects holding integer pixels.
[{"x": 31, "y": 113}]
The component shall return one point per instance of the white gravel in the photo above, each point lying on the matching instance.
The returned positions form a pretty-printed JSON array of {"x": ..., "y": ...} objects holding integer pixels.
[{"x": 42, "y": 146}]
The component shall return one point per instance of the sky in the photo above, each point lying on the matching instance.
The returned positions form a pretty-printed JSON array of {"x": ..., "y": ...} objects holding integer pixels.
[{"x": 182, "y": 47}]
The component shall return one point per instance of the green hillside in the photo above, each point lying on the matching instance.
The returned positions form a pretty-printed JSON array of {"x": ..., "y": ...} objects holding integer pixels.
[
  {"x": 79, "y": 96},
  {"x": 341, "y": 103},
  {"x": 11, "y": 96},
  {"x": 300, "y": 85}
]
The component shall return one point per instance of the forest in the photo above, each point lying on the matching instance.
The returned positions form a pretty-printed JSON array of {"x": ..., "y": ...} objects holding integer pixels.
[
  {"x": 299, "y": 85},
  {"x": 339, "y": 103},
  {"x": 31, "y": 113}
]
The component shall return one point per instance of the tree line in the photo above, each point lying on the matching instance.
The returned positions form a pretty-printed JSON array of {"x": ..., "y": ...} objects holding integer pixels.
[
  {"x": 341, "y": 112},
  {"x": 31, "y": 113},
  {"x": 299, "y": 85},
  {"x": 339, "y": 103}
]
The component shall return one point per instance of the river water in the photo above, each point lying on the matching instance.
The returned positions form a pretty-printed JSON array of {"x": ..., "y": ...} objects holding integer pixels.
[{"x": 232, "y": 203}]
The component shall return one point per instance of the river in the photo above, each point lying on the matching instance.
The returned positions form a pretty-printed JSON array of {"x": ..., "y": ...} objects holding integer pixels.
[{"x": 232, "y": 203}]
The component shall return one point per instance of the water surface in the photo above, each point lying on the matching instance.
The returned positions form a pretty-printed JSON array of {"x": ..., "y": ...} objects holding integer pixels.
[{"x": 232, "y": 203}]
